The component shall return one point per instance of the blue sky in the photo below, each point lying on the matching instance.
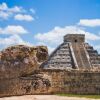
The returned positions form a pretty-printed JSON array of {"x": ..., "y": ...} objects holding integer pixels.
[{"x": 45, "y": 22}]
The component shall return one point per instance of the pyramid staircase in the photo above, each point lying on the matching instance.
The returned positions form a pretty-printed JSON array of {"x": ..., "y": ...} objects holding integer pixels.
[
  {"x": 61, "y": 58},
  {"x": 73, "y": 53}
]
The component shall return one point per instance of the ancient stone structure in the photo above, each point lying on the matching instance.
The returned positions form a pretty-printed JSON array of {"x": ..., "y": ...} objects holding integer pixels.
[
  {"x": 74, "y": 53},
  {"x": 18, "y": 65},
  {"x": 20, "y": 60},
  {"x": 74, "y": 67},
  {"x": 74, "y": 81}
]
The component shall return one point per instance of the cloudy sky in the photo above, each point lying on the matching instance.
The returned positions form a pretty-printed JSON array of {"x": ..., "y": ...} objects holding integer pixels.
[{"x": 45, "y": 22}]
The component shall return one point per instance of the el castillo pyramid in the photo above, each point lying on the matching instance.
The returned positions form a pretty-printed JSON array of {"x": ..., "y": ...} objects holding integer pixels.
[{"x": 73, "y": 53}]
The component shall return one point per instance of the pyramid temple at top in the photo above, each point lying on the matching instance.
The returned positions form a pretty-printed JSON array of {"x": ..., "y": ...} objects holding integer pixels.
[{"x": 73, "y": 53}]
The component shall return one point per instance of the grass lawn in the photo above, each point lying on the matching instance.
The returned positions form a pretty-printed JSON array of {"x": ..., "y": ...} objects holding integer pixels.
[{"x": 79, "y": 95}]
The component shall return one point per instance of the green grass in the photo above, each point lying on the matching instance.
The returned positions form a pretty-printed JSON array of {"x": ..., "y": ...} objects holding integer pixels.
[{"x": 79, "y": 95}]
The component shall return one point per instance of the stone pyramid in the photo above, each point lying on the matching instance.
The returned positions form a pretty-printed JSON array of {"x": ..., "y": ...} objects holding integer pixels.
[{"x": 73, "y": 53}]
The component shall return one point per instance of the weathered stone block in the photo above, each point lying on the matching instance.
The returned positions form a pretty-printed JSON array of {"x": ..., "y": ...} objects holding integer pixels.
[{"x": 20, "y": 60}]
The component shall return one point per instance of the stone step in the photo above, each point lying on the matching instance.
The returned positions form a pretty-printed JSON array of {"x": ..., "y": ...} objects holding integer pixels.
[
  {"x": 80, "y": 55},
  {"x": 61, "y": 57}
]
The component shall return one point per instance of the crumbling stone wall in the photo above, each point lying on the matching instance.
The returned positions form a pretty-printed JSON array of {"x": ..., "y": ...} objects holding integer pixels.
[
  {"x": 17, "y": 71},
  {"x": 32, "y": 84},
  {"x": 77, "y": 82},
  {"x": 52, "y": 82}
]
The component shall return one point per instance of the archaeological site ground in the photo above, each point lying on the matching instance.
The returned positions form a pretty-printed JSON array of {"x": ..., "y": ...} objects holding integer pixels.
[{"x": 73, "y": 67}]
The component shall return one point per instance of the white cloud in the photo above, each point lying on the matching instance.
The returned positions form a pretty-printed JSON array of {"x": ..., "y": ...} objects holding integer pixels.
[
  {"x": 4, "y": 15},
  {"x": 18, "y": 12},
  {"x": 97, "y": 47},
  {"x": 50, "y": 49},
  {"x": 16, "y": 9},
  {"x": 32, "y": 10},
  {"x": 22, "y": 17},
  {"x": 54, "y": 37},
  {"x": 4, "y": 7},
  {"x": 12, "y": 40},
  {"x": 6, "y": 12},
  {"x": 89, "y": 22},
  {"x": 13, "y": 30}
]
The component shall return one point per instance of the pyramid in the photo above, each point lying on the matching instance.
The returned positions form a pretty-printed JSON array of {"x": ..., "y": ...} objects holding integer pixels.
[{"x": 73, "y": 53}]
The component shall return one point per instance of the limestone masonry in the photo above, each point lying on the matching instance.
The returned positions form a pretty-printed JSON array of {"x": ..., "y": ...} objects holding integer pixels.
[
  {"x": 74, "y": 53},
  {"x": 73, "y": 67}
]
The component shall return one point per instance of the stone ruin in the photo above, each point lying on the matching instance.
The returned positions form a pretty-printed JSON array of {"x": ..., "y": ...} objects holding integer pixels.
[
  {"x": 74, "y": 67},
  {"x": 74, "y": 53},
  {"x": 18, "y": 65}
]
